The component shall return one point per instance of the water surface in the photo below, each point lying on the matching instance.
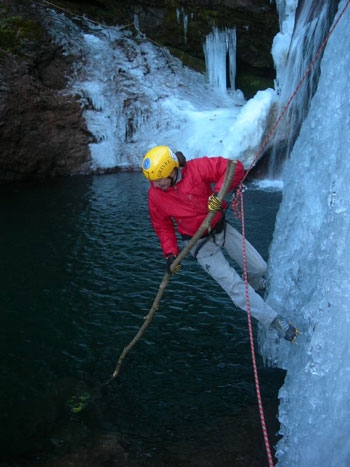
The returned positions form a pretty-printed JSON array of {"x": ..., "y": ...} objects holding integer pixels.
[{"x": 80, "y": 269}]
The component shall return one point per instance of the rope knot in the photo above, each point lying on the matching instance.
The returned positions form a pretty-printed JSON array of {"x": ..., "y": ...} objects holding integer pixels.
[{"x": 237, "y": 201}]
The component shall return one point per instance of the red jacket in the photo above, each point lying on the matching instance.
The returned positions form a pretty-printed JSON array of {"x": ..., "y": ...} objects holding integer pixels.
[{"x": 186, "y": 203}]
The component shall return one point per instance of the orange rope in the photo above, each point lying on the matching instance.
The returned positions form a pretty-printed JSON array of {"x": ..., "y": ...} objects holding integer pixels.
[{"x": 239, "y": 206}]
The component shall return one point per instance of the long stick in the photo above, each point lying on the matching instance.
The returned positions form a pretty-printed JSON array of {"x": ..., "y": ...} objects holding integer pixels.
[{"x": 204, "y": 226}]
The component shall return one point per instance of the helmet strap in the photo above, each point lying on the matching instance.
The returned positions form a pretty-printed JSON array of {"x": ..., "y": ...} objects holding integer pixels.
[{"x": 173, "y": 179}]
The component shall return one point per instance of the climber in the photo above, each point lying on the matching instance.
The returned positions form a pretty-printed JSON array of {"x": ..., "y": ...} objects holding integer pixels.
[{"x": 181, "y": 192}]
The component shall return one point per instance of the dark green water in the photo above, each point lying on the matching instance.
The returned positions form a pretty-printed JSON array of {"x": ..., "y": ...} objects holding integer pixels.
[{"x": 80, "y": 267}]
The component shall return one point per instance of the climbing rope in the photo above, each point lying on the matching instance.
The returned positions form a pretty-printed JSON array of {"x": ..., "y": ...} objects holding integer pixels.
[
  {"x": 75, "y": 15},
  {"x": 239, "y": 212},
  {"x": 238, "y": 208}
]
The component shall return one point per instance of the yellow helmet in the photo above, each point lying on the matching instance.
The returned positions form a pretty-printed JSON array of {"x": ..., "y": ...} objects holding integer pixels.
[{"x": 159, "y": 162}]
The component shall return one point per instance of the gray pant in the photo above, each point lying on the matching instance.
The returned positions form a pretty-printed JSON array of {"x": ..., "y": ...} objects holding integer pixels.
[{"x": 209, "y": 255}]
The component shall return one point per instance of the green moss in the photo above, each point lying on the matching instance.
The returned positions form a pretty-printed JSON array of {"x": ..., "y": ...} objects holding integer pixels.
[
  {"x": 77, "y": 403},
  {"x": 250, "y": 83},
  {"x": 15, "y": 31},
  {"x": 189, "y": 60}
]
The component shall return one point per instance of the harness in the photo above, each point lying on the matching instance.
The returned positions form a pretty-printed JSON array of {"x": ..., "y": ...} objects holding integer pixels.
[{"x": 220, "y": 226}]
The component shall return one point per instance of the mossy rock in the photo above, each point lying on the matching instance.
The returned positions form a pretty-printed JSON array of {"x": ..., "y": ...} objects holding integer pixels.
[
  {"x": 250, "y": 83},
  {"x": 15, "y": 31}
]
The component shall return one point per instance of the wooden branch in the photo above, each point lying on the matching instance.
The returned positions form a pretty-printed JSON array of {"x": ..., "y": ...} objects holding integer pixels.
[{"x": 204, "y": 226}]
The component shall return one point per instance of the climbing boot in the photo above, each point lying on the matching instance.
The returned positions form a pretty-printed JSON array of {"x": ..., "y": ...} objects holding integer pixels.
[
  {"x": 284, "y": 329},
  {"x": 262, "y": 285}
]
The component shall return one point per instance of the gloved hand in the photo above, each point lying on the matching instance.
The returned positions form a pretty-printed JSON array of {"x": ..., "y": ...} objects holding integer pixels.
[
  {"x": 169, "y": 260},
  {"x": 214, "y": 204}
]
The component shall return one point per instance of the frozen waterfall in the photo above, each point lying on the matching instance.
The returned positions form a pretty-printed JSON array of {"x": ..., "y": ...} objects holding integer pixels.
[
  {"x": 309, "y": 270},
  {"x": 135, "y": 95},
  {"x": 294, "y": 49}
]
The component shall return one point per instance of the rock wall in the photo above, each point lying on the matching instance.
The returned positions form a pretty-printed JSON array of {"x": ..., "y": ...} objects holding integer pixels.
[{"x": 42, "y": 130}]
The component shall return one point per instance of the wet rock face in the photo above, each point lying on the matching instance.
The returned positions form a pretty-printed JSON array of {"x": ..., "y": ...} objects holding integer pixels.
[{"x": 42, "y": 131}]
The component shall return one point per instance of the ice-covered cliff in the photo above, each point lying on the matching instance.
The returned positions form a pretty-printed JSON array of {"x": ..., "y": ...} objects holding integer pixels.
[{"x": 310, "y": 272}]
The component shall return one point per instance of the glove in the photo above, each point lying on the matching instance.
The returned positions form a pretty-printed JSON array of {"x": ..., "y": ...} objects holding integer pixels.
[
  {"x": 169, "y": 260},
  {"x": 214, "y": 204}
]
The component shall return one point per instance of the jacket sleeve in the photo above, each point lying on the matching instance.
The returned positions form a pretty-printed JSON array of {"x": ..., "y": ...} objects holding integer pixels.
[{"x": 164, "y": 227}]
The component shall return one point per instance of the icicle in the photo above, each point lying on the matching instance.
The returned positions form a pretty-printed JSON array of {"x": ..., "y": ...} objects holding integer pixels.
[
  {"x": 140, "y": 34},
  {"x": 185, "y": 20},
  {"x": 220, "y": 58},
  {"x": 185, "y": 25},
  {"x": 231, "y": 47}
]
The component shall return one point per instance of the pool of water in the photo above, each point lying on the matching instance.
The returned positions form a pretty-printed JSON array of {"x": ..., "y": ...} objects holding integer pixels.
[{"x": 80, "y": 269}]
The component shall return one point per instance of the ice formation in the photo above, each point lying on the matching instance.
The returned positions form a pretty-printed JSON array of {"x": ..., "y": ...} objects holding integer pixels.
[{"x": 310, "y": 273}]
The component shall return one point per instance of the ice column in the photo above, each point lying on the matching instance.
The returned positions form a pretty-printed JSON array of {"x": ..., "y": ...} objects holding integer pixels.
[
  {"x": 220, "y": 58},
  {"x": 185, "y": 20}
]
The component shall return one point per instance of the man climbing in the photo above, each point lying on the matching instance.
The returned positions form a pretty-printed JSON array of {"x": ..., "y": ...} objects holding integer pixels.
[{"x": 181, "y": 193}]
